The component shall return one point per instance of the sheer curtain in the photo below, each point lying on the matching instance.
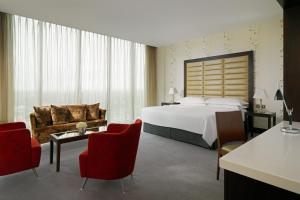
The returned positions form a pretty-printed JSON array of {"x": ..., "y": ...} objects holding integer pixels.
[
  {"x": 26, "y": 66},
  {"x": 139, "y": 85},
  {"x": 94, "y": 68},
  {"x": 59, "y": 65},
  {"x": 120, "y": 87}
]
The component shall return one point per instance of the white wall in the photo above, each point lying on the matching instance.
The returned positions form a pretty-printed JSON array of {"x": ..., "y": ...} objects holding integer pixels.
[{"x": 264, "y": 38}]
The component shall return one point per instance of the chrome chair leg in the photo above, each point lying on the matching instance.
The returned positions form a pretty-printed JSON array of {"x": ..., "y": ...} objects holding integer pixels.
[
  {"x": 123, "y": 186},
  {"x": 35, "y": 173},
  {"x": 83, "y": 184}
]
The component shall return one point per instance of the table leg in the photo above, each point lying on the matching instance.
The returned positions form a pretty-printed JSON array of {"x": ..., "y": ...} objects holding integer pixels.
[
  {"x": 250, "y": 119},
  {"x": 57, "y": 157},
  {"x": 51, "y": 151},
  {"x": 269, "y": 123},
  {"x": 246, "y": 126}
]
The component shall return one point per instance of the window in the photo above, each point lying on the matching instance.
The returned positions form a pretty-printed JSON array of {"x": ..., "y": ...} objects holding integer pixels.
[{"x": 58, "y": 65}]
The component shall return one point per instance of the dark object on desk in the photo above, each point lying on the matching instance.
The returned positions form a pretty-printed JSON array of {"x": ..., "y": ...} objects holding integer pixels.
[
  {"x": 230, "y": 128},
  {"x": 169, "y": 103},
  {"x": 249, "y": 115}
]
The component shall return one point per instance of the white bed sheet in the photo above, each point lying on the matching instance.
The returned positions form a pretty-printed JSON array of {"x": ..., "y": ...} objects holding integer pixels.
[{"x": 194, "y": 118}]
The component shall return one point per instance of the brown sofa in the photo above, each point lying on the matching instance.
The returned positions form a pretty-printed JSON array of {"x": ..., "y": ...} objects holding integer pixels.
[{"x": 42, "y": 131}]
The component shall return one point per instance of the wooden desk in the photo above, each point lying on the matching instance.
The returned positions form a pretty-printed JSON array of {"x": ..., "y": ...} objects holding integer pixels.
[{"x": 266, "y": 167}]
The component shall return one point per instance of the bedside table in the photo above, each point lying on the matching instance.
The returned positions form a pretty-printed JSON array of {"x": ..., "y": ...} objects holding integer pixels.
[
  {"x": 249, "y": 115},
  {"x": 169, "y": 103}
]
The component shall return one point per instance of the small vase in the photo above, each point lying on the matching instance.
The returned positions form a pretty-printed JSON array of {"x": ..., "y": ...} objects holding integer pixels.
[{"x": 81, "y": 131}]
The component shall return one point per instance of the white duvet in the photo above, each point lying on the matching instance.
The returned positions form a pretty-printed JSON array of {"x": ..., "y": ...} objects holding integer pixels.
[{"x": 194, "y": 118}]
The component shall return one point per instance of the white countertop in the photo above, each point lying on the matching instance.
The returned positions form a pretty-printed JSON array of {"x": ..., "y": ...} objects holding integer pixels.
[{"x": 272, "y": 157}]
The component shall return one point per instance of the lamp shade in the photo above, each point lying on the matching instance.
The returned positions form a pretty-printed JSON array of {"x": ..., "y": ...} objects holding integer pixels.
[
  {"x": 278, "y": 95},
  {"x": 172, "y": 90},
  {"x": 259, "y": 94}
]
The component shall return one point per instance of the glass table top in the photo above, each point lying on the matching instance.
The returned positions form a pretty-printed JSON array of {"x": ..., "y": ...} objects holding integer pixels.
[{"x": 75, "y": 133}]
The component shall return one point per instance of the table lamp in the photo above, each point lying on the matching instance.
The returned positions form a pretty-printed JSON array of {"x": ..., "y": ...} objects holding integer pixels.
[
  {"x": 260, "y": 94},
  {"x": 279, "y": 96},
  {"x": 172, "y": 92}
]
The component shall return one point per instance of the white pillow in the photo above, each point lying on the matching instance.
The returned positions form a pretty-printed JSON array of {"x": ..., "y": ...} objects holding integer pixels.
[
  {"x": 192, "y": 100},
  {"x": 224, "y": 106},
  {"x": 226, "y": 101}
]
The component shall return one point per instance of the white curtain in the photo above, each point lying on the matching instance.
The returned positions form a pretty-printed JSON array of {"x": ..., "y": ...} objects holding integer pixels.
[
  {"x": 59, "y": 65},
  {"x": 120, "y": 87},
  {"x": 26, "y": 66},
  {"x": 94, "y": 68},
  {"x": 139, "y": 84}
]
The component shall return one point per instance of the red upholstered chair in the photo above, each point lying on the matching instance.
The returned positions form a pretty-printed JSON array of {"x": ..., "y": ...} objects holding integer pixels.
[
  {"x": 18, "y": 151},
  {"x": 111, "y": 154}
]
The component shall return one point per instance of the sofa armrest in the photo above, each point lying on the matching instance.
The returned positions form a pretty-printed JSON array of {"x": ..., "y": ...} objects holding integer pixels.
[
  {"x": 102, "y": 113},
  {"x": 33, "y": 121},
  {"x": 12, "y": 126},
  {"x": 33, "y": 124}
]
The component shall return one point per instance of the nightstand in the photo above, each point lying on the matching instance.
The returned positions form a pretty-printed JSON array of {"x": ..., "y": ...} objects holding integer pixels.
[
  {"x": 169, "y": 103},
  {"x": 249, "y": 115}
]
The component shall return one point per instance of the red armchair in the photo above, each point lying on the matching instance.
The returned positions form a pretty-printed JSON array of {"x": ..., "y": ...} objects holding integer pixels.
[
  {"x": 112, "y": 154},
  {"x": 18, "y": 151}
]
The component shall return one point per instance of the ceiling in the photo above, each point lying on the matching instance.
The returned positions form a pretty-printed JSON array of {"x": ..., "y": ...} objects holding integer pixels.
[{"x": 152, "y": 22}]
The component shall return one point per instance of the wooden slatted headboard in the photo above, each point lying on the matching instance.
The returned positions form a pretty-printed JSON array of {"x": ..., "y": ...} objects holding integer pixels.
[{"x": 229, "y": 75}]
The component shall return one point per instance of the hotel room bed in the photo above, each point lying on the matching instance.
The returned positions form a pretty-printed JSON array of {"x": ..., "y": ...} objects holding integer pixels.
[
  {"x": 195, "y": 124},
  {"x": 227, "y": 80}
]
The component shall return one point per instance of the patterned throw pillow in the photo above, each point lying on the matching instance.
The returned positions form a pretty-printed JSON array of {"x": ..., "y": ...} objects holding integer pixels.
[
  {"x": 43, "y": 115},
  {"x": 60, "y": 114},
  {"x": 78, "y": 113},
  {"x": 92, "y": 111}
]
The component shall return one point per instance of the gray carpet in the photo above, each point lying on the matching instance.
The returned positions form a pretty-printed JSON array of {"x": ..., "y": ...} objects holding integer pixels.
[{"x": 165, "y": 169}]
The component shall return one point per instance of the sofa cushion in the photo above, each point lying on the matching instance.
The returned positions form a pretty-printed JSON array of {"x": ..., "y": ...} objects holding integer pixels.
[
  {"x": 43, "y": 115},
  {"x": 92, "y": 111},
  {"x": 78, "y": 113},
  {"x": 60, "y": 114}
]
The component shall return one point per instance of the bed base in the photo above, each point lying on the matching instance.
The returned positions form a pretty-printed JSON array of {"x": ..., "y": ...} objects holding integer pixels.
[{"x": 178, "y": 134}]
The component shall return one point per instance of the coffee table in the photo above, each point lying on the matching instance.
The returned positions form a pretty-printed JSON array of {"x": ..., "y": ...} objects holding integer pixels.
[{"x": 66, "y": 137}]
